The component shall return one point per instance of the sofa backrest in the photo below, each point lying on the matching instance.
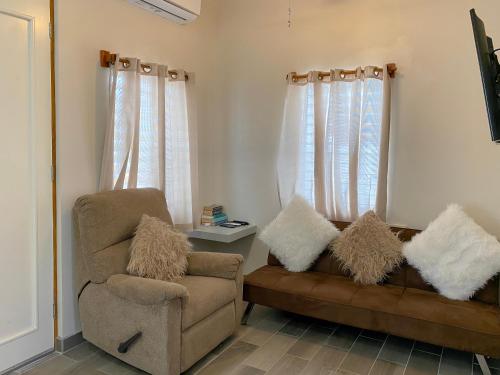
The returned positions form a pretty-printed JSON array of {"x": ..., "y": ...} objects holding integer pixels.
[
  {"x": 104, "y": 225},
  {"x": 406, "y": 276}
]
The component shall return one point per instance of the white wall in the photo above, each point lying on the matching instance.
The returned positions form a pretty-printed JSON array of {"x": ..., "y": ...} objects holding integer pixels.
[
  {"x": 440, "y": 144},
  {"x": 83, "y": 27},
  {"x": 241, "y": 51}
]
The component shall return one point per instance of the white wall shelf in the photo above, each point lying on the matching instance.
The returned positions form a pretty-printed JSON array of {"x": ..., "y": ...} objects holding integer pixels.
[{"x": 221, "y": 234}]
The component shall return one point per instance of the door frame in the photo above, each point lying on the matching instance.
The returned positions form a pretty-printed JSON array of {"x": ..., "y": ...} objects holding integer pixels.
[{"x": 54, "y": 169}]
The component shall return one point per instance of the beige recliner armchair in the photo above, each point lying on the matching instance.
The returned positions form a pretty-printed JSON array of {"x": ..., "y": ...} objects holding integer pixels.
[{"x": 160, "y": 327}]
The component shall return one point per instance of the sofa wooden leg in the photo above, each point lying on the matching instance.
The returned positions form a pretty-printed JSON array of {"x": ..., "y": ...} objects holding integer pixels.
[
  {"x": 483, "y": 364},
  {"x": 246, "y": 315}
]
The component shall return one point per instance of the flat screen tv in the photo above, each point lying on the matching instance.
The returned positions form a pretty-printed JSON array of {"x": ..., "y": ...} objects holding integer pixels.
[{"x": 490, "y": 74}]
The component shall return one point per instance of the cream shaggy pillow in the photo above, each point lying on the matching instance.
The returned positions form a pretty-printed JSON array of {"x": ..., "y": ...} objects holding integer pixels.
[
  {"x": 298, "y": 235},
  {"x": 368, "y": 249},
  {"x": 158, "y": 251},
  {"x": 454, "y": 254}
]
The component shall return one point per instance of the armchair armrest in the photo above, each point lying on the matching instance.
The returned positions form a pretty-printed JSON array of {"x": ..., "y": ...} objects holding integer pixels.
[
  {"x": 145, "y": 291},
  {"x": 221, "y": 265}
]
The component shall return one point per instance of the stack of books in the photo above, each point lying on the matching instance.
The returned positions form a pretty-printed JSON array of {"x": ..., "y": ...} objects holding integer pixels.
[{"x": 213, "y": 215}]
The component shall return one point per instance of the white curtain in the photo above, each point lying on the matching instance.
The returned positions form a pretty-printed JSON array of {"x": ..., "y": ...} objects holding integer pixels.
[
  {"x": 334, "y": 142},
  {"x": 151, "y": 139}
]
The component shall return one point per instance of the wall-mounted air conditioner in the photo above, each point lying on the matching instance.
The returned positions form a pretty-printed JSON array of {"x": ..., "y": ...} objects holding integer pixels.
[{"x": 180, "y": 11}]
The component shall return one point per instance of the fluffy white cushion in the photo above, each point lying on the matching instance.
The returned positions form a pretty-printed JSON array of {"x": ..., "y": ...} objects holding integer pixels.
[
  {"x": 298, "y": 235},
  {"x": 454, "y": 254}
]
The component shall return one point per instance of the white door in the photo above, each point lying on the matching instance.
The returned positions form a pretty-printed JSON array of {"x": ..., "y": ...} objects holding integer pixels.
[{"x": 26, "y": 281}]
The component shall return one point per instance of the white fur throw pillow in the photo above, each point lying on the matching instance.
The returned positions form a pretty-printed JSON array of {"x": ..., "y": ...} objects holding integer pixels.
[
  {"x": 158, "y": 251},
  {"x": 298, "y": 235},
  {"x": 454, "y": 254}
]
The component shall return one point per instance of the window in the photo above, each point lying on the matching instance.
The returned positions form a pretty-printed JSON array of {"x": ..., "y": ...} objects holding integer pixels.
[
  {"x": 149, "y": 138},
  {"x": 333, "y": 137}
]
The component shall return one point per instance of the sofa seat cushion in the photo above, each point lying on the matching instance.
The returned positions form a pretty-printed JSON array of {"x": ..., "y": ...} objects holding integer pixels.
[
  {"x": 432, "y": 307},
  {"x": 327, "y": 287},
  {"x": 312, "y": 284},
  {"x": 206, "y": 295},
  {"x": 396, "y": 301},
  {"x": 378, "y": 298}
]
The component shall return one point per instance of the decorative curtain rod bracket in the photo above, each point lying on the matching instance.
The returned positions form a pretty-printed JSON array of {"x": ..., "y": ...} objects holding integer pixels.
[
  {"x": 392, "y": 68},
  {"x": 107, "y": 59}
]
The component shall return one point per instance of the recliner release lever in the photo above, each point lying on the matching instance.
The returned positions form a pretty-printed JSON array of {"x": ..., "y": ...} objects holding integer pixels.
[{"x": 124, "y": 346}]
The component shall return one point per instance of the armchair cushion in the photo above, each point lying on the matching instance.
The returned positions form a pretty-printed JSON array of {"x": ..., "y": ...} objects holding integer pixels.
[
  {"x": 206, "y": 296},
  {"x": 145, "y": 291},
  {"x": 221, "y": 265}
]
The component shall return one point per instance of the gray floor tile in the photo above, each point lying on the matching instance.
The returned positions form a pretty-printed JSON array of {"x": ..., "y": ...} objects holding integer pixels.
[
  {"x": 381, "y": 367},
  {"x": 272, "y": 322},
  {"x": 343, "y": 337},
  {"x": 362, "y": 356},
  {"x": 326, "y": 360},
  {"x": 257, "y": 314},
  {"x": 268, "y": 315},
  {"x": 295, "y": 327},
  {"x": 344, "y": 372},
  {"x": 455, "y": 362},
  {"x": 229, "y": 360},
  {"x": 82, "y": 351},
  {"x": 89, "y": 366},
  {"x": 260, "y": 332},
  {"x": 374, "y": 334},
  {"x": 477, "y": 370},
  {"x": 113, "y": 366},
  {"x": 422, "y": 363},
  {"x": 429, "y": 348},
  {"x": 492, "y": 362},
  {"x": 200, "y": 364},
  {"x": 248, "y": 370},
  {"x": 310, "y": 342},
  {"x": 288, "y": 365},
  {"x": 266, "y": 356},
  {"x": 53, "y": 366},
  {"x": 277, "y": 315},
  {"x": 224, "y": 345},
  {"x": 396, "y": 350}
]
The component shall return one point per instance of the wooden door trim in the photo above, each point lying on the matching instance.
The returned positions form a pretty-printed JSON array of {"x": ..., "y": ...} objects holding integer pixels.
[{"x": 54, "y": 169}]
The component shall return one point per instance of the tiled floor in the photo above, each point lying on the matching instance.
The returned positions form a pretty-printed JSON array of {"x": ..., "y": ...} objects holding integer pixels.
[{"x": 276, "y": 343}]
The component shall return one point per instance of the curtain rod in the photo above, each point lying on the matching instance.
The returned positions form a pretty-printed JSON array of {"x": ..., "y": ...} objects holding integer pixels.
[
  {"x": 107, "y": 59},
  {"x": 391, "y": 68}
]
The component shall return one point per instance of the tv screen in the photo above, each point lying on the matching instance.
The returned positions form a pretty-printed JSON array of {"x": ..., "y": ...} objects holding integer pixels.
[{"x": 490, "y": 70}]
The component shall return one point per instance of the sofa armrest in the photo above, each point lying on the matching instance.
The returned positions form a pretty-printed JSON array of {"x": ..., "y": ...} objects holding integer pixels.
[
  {"x": 221, "y": 265},
  {"x": 145, "y": 291}
]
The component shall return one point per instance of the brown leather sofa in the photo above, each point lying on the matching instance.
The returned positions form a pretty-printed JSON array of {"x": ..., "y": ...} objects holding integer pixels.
[{"x": 405, "y": 305}]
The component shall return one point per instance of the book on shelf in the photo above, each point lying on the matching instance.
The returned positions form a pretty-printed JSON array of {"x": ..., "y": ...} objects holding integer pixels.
[
  {"x": 213, "y": 209},
  {"x": 214, "y": 221},
  {"x": 213, "y": 215}
]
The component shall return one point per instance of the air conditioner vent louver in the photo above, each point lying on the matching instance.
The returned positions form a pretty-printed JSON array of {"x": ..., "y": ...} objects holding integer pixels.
[{"x": 180, "y": 11}]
